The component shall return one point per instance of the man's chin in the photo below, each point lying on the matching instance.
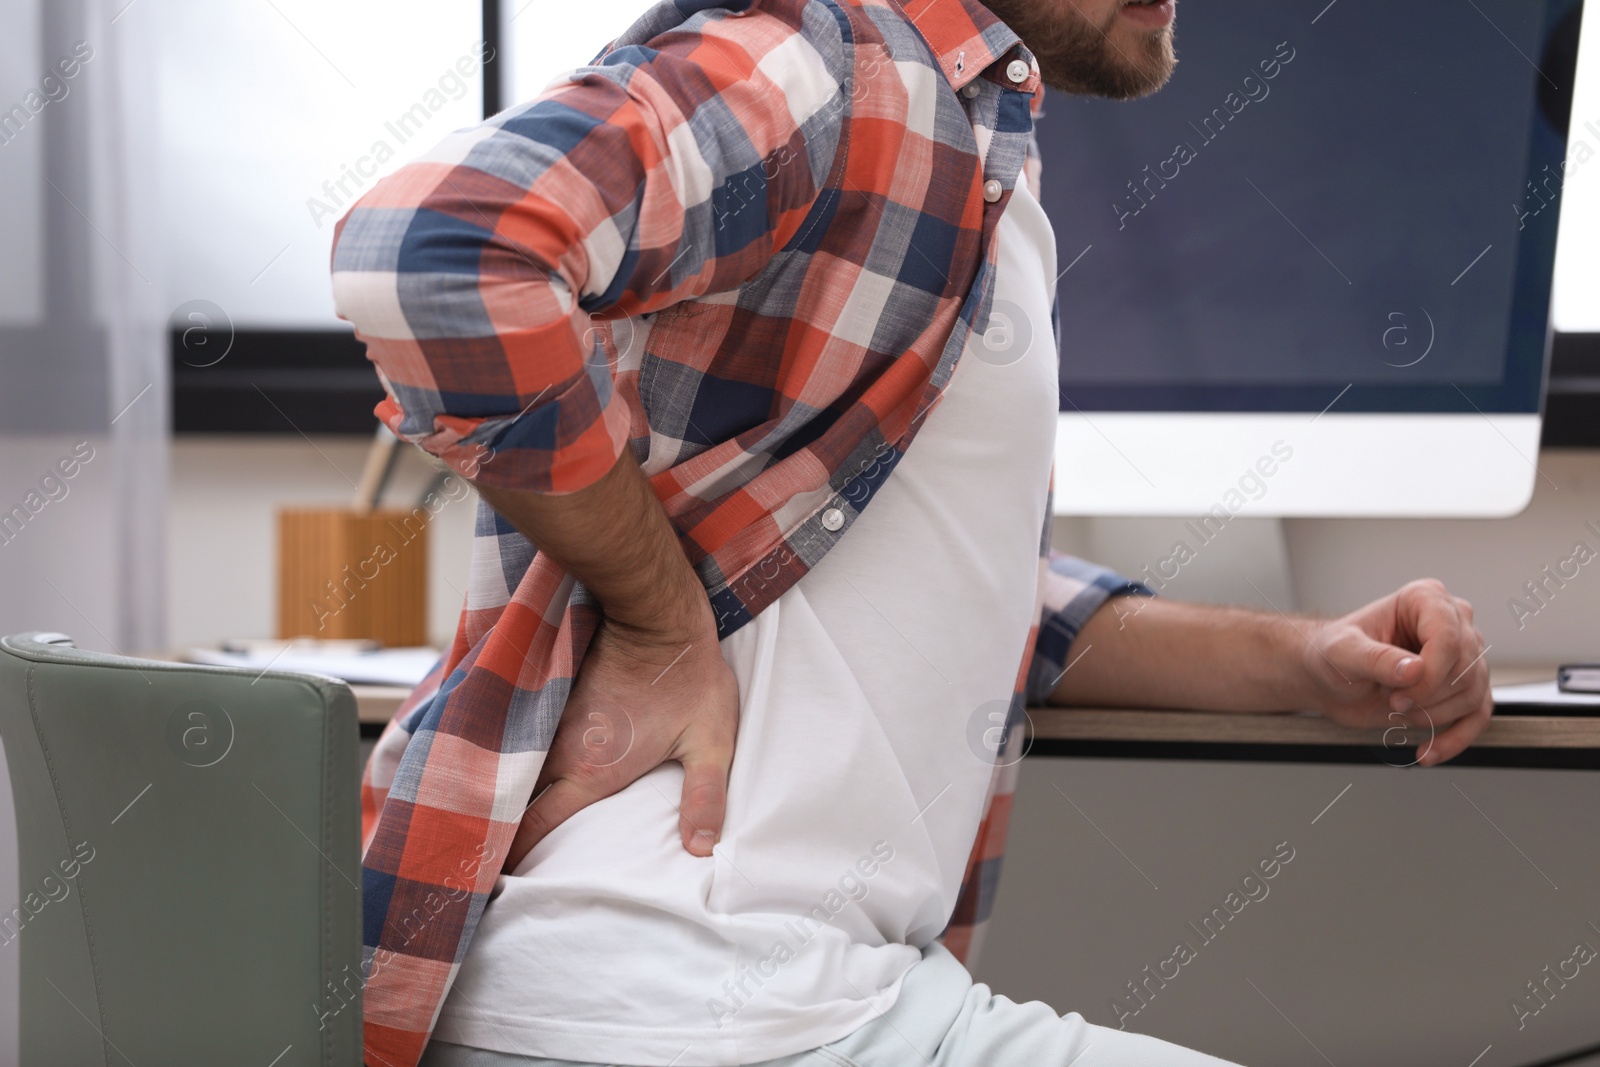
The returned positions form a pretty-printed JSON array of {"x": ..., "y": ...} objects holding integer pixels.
[
  {"x": 1076, "y": 56},
  {"x": 1112, "y": 74}
]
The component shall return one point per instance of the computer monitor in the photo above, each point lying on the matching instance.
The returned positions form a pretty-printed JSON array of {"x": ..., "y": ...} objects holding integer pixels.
[{"x": 1312, "y": 275}]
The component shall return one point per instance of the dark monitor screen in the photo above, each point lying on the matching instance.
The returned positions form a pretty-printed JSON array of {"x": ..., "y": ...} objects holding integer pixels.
[{"x": 1358, "y": 197}]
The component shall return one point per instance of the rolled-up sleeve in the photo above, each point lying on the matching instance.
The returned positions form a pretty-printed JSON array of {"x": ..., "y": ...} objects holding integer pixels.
[
  {"x": 663, "y": 172},
  {"x": 1073, "y": 589}
]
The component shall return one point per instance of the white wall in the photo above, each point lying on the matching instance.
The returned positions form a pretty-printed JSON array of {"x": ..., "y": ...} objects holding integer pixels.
[{"x": 1338, "y": 563}]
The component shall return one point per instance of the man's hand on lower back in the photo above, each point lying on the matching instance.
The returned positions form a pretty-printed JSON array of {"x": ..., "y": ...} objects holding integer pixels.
[
  {"x": 653, "y": 686},
  {"x": 641, "y": 700}
]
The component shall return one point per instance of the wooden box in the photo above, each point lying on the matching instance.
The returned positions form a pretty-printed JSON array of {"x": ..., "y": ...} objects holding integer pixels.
[{"x": 347, "y": 574}]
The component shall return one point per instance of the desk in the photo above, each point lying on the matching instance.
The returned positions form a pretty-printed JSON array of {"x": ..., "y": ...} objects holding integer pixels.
[
  {"x": 1395, "y": 842},
  {"x": 1512, "y": 739},
  {"x": 376, "y": 705}
]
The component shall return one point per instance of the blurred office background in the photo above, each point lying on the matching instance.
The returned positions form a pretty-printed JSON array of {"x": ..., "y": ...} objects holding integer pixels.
[{"x": 175, "y": 197}]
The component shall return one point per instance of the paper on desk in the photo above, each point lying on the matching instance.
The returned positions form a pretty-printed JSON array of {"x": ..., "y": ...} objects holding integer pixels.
[
  {"x": 389, "y": 666},
  {"x": 1541, "y": 693}
]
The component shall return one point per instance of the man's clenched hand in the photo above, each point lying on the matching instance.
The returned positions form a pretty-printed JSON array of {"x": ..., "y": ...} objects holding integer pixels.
[{"x": 1413, "y": 658}]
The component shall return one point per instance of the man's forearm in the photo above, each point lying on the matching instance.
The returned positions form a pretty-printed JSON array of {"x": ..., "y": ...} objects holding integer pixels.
[
  {"x": 615, "y": 538},
  {"x": 1168, "y": 654}
]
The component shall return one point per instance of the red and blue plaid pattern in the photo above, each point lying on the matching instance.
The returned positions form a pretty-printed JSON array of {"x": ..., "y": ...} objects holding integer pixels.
[{"x": 749, "y": 243}]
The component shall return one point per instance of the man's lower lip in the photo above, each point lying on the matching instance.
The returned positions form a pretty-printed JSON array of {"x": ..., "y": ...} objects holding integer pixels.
[{"x": 1151, "y": 14}]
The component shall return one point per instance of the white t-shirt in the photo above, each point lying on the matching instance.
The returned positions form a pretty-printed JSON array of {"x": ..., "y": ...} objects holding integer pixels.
[{"x": 857, "y": 787}]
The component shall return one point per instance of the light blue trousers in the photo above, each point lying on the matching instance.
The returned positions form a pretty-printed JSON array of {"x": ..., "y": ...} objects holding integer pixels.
[{"x": 942, "y": 1019}]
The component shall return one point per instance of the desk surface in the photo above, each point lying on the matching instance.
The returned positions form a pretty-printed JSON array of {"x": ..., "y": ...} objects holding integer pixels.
[
  {"x": 1511, "y": 739},
  {"x": 1191, "y": 727},
  {"x": 377, "y": 704}
]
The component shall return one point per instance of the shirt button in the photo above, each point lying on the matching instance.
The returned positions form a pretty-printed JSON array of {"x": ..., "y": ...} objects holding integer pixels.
[
  {"x": 992, "y": 190},
  {"x": 971, "y": 90},
  {"x": 832, "y": 519},
  {"x": 1018, "y": 71}
]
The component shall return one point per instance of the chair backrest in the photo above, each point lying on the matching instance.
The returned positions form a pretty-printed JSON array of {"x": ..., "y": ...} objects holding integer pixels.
[{"x": 188, "y": 845}]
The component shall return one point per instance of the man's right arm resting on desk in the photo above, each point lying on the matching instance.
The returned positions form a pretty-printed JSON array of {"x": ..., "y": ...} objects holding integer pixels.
[{"x": 1414, "y": 654}]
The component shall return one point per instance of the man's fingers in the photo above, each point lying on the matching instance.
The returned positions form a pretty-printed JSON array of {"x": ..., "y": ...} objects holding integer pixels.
[
  {"x": 1470, "y": 676},
  {"x": 1431, "y": 719},
  {"x": 705, "y": 796},
  {"x": 1379, "y": 662},
  {"x": 1428, "y": 615},
  {"x": 558, "y": 803},
  {"x": 1451, "y": 742}
]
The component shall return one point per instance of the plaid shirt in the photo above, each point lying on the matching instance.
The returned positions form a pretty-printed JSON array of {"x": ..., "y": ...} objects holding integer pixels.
[{"x": 749, "y": 243}]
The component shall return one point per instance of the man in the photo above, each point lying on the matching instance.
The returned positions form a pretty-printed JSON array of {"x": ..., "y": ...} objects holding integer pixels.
[{"x": 705, "y": 324}]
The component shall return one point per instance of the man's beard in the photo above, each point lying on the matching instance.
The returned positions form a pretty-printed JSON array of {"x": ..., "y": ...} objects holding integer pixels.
[{"x": 1077, "y": 56}]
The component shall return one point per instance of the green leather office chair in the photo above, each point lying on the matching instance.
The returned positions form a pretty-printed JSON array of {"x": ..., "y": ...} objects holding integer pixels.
[{"x": 189, "y": 861}]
